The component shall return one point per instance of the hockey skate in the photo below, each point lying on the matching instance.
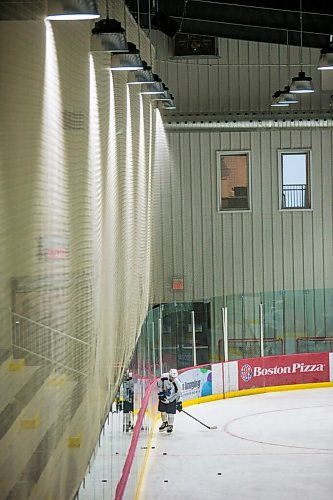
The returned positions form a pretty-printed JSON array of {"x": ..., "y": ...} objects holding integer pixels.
[
  {"x": 163, "y": 426},
  {"x": 170, "y": 428}
]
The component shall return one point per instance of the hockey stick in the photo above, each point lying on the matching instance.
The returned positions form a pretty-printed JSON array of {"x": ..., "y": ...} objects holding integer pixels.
[{"x": 208, "y": 426}]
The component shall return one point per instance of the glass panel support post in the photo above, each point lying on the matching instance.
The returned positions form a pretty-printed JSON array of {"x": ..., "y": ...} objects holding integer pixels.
[
  {"x": 225, "y": 332},
  {"x": 153, "y": 348},
  {"x": 194, "y": 348},
  {"x": 160, "y": 344},
  {"x": 261, "y": 319}
]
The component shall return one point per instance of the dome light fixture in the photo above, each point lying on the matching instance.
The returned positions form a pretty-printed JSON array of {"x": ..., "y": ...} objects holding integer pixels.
[
  {"x": 141, "y": 77},
  {"x": 129, "y": 61},
  {"x": 287, "y": 97},
  {"x": 153, "y": 88},
  {"x": 275, "y": 100},
  {"x": 71, "y": 10},
  {"x": 169, "y": 104},
  {"x": 301, "y": 84},
  {"x": 108, "y": 36},
  {"x": 326, "y": 56},
  {"x": 166, "y": 96}
]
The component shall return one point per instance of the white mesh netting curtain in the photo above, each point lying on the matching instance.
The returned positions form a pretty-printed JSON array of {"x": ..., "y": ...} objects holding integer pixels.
[{"x": 75, "y": 195}]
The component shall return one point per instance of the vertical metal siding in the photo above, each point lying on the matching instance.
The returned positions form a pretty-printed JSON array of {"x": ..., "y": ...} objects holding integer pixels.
[
  {"x": 264, "y": 249},
  {"x": 243, "y": 78}
]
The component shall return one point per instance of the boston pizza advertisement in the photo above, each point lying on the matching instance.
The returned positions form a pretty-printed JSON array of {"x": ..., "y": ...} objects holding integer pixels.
[{"x": 283, "y": 370}]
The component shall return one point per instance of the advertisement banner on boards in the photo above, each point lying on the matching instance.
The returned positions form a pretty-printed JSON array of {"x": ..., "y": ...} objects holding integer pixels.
[
  {"x": 283, "y": 370},
  {"x": 196, "y": 383}
]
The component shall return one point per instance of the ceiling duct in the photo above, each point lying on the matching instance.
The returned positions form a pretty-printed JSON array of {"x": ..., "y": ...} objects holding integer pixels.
[{"x": 195, "y": 45}]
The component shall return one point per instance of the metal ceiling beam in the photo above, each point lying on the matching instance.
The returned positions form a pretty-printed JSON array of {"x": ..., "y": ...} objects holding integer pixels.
[
  {"x": 256, "y": 22},
  {"x": 248, "y": 121}
]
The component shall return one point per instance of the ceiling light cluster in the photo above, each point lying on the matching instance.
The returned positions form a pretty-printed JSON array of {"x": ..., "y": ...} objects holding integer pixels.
[
  {"x": 302, "y": 84},
  {"x": 109, "y": 36}
]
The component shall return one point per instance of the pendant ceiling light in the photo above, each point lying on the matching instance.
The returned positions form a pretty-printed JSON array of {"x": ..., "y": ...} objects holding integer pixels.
[
  {"x": 141, "y": 77},
  {"x": 169, "y": 104},
  {"x": 145, "y": 75},
  {"x": 153, "y": 88},
  {"x": 129, "y": 61},
  {"x": 285, "y": 97},
  {"x": 301, "y": 84},
  {"x": 108, "y": 36},
  {"x": 166, "y": 96},
  {"x": 326, "y": 56},
  {"x": 71, "y": 10},
  {"x": 275, "y": 100}
]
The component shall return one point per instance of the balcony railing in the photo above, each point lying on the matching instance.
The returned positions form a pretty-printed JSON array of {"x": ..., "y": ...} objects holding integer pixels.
[{"x": 294, "y": 196}]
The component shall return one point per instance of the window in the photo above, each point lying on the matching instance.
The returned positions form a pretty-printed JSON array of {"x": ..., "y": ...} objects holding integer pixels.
[
  {"x": 233, "y": 180},
  {"x": 295, "y": 191}
]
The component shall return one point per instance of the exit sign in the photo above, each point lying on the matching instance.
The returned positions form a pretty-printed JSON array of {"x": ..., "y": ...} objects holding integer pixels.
[{"x": 178, "y": 284}]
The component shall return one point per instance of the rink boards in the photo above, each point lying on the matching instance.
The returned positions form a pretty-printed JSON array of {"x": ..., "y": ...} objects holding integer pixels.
[{"x": 255, "y": 375}]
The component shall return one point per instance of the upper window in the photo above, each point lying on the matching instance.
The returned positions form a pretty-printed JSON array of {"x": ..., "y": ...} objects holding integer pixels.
[
  {"x": 295, "y": 188},
  {"x": 233, "y": 180}
]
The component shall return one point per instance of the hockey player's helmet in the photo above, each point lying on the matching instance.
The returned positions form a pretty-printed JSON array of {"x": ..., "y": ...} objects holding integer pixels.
[{"x": 173, "y": 373}]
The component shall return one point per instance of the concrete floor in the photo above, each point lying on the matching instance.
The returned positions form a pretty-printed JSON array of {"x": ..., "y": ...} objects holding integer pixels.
[{"x": 274, "y": 446}]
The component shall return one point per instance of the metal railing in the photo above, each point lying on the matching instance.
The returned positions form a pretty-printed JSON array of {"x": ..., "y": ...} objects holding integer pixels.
[
  {"x": 250, "y": 348},
  {"x": 314, "y": 344},
  {"x": 294, "y": 196}
]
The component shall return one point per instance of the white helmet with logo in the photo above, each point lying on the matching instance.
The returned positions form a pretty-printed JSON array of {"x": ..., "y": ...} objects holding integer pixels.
[{"x": 173, "y": 373}]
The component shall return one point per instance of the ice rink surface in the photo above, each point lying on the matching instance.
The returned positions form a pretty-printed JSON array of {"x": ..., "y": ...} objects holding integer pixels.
[{"x": 273, "y": 446}]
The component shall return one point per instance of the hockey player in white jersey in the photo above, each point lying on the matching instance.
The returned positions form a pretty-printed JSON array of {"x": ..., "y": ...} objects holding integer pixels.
[
  {"x": 169, "y": 395},
  {"x": 128, "y": 393}
]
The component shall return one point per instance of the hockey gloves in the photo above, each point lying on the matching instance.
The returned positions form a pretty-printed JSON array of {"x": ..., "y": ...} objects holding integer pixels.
[
  {"x": 179, "y": 406},
  {"x": 161, "y": 395}
]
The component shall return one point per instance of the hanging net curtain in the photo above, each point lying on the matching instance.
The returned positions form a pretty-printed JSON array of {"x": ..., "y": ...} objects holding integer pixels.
[{"x": 75, "y": 221}]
